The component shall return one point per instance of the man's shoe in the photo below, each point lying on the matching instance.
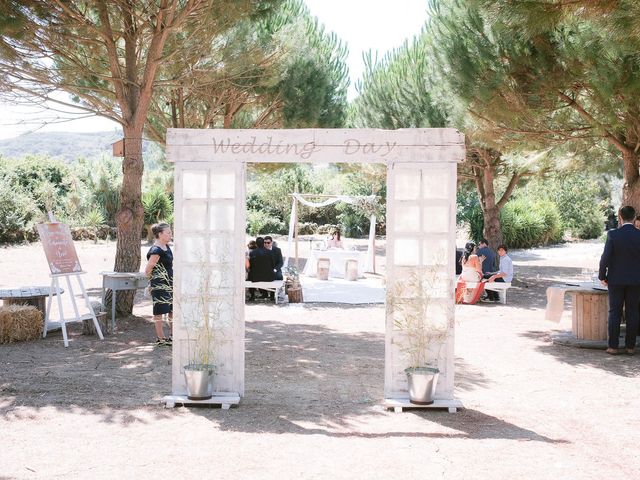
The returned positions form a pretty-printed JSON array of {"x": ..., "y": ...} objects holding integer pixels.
[
  {"x": 612, "y": 351},
  {"x": 629, "y": 351}
]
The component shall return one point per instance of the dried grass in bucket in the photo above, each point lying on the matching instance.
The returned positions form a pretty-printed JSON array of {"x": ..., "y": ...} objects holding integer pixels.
[{"x": 19, "y": 323}]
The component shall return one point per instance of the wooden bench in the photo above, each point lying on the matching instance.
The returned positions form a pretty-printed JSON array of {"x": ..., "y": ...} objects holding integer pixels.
[
  {"x": 494, "y": 287},
  {"x": 274, "y": 286}
]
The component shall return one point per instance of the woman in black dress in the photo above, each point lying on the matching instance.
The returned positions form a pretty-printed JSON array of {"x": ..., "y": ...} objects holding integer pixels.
[{"x": 160, "y": 271}]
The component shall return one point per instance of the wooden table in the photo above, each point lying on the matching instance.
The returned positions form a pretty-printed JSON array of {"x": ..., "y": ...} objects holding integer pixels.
[
  {"x": 589, "y": 310},
  {"x": 35, "y": 296}
]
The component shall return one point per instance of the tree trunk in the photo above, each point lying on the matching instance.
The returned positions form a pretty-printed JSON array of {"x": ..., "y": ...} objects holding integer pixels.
[
  {"x": 484, "y": 176},
  {"x": 130, "y": 216},
  {"x": 631, "y": 188},
  {"x": 492, "y": 230}
]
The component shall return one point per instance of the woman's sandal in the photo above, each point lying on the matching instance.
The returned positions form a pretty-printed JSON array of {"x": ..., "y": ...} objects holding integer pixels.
[{"x": 163, "y": 342}]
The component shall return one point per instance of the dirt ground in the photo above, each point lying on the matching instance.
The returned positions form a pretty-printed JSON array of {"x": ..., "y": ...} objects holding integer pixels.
[{"x": 314, "y": 383}]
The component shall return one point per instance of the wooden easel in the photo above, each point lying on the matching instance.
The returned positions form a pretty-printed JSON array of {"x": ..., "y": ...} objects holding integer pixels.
[
  {"x": 55, "y": 286},
  {"x": 63, "y": 262}
]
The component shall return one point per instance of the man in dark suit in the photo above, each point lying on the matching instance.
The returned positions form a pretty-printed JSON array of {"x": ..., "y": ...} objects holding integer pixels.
[
  {"x": 261, "y": 266},
  {"x": 620, "y": 271},
  {"x": 276, "y": 253},
  {"x": 278, "y": 261}
]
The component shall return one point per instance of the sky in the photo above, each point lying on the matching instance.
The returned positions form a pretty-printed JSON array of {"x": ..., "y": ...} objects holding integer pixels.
[{"x": 376, "y": 25}]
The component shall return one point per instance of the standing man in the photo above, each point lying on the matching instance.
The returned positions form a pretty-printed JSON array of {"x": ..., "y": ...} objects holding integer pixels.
[
  {"x": 620, "y": 271},
  {"x": 504, "y": 275}
]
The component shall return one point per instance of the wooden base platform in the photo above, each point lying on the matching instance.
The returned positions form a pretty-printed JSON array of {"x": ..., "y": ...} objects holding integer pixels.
[
  {"x": 399, "y": 404},
  {"x": 224, "y": 399}
]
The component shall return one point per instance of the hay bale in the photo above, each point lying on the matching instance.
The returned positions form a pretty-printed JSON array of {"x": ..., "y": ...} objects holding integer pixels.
[{"x": 20, "y": 323}]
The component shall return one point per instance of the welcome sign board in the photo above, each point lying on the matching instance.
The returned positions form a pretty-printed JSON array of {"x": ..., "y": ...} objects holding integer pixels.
[{"x": 59, "y": 248}]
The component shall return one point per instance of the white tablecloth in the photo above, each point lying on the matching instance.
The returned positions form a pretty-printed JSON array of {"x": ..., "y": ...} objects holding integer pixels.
[{"x": 338, "y": 259}]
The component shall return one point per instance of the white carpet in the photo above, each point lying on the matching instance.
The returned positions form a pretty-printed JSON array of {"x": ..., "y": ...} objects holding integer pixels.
[{"x": 338, "y": 290}]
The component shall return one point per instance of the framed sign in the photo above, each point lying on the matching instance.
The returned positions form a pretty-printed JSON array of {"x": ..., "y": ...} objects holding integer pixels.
[{"x": 59, "y": 248}]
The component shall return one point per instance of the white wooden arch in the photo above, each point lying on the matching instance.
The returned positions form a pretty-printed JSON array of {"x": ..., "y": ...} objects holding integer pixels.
[{"x": 209, "y": 230}]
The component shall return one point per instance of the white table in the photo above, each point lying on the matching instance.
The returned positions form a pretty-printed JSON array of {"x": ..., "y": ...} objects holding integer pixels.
[{"x": 338, "y": 259}]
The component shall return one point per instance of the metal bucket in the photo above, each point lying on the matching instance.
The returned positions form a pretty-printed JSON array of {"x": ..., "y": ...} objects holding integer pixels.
[
  {"x": 422, "y": 384},
  {"x": 199, "y": 379}
]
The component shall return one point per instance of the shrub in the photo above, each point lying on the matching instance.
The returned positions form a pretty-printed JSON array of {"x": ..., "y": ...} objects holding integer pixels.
[
  {"x": 327, "y": 228},
  {"x": 17, "y": 213},
  {"x": 307, "y": 228},
  {"x": 259, "y": 223},
  {"x": 31, "y": 171},
  {"x": 157, "y": 205},
  {"x": 590, "y": 226},
  {"x": 526, "y": 224},
  {"x": 579, "y": 200},
  {"x": 104, "y": 180}
]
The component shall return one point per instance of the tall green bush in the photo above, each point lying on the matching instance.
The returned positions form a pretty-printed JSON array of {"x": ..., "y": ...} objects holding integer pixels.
[
  {"x": 579, "y": 198},
  {"x": 103, "y": 178},
  {"x": 527, "y": 223},
  {"x": 18, "y": 213},
  {"x": 261, "y": 223}
]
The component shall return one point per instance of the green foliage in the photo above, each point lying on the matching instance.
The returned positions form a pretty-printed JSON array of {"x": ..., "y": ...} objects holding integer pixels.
[
  {"x": 274, "y": 68},
  {"x": 579, "y": 198},
  {"x": 103, "y": 179},
  {"x": 32, "y": 172},
  {"x": 399, "y": 91},
  {"x": 269, "y": 198},
  {"x": 94, "y": 218},
  {"x": 271, "y": 193},
  {"x": 157, "y": 206},
  {"x": 261, "y": 223},
  {"x": 541, "y": 75},
  {"x": 527, "y": 223},
  {"x": 17, "y": 213}
]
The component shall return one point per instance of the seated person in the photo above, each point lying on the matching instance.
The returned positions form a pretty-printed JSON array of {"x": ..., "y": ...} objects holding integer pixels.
[
  {"x": 471, "y": 272},
  {"x": 505, "y": 274},
  {"x": 252, "y": 245},
  {"x": 261, "y": 266},
  {"x": 471, "y": 265},
  {"x": 334, "y": 241},
  {"x": 489, "y": 261}
]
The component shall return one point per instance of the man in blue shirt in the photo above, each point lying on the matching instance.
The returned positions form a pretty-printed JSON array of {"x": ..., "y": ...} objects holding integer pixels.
[
  {"x": 489, "y": 262},
  {"x": 504, "y": 275}
]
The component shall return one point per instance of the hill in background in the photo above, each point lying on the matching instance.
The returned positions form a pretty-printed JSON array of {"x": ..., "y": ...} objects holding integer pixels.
[{"x": 67, "y": 146}]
